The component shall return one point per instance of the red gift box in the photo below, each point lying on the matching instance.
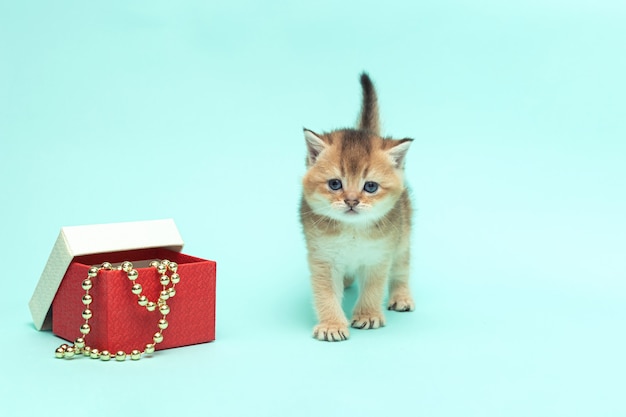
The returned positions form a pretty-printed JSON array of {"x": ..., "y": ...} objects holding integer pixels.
[{"x": 118, "y": 321}]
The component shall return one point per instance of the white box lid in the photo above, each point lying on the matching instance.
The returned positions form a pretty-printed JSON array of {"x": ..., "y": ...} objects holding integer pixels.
[{"x": 92, "y": 239}]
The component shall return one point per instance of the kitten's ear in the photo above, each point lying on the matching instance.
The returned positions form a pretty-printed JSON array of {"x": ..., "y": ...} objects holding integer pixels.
[
  {"x": 398, "y": 152},
  {"x": 314, "y": 144}
]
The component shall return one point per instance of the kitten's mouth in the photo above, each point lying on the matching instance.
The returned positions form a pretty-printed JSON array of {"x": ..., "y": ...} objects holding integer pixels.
[{"x": 351, "y": 212}]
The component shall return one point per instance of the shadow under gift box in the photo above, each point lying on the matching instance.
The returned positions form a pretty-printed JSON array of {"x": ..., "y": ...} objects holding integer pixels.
[{"x": 119, "y": 322}]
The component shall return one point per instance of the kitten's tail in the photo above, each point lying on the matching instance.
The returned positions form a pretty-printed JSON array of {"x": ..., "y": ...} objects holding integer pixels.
[{"x": 368, "y": 119}]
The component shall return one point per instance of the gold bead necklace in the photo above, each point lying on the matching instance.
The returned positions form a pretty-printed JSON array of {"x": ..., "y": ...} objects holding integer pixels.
[{"x": 80, "y": 345}]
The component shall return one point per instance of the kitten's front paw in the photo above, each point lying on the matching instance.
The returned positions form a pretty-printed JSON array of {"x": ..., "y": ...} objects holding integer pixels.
[
  {"x": 401, "y": 303},
  {"x": 368, "y": 321},
  {"x": 331, "y": 332}
]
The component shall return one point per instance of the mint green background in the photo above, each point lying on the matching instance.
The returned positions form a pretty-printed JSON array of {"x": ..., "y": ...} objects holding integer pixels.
[{"x": 135, "y": 110}]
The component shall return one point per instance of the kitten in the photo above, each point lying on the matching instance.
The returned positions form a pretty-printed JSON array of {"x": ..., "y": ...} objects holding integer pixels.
[{"x": 356, "y": 216}]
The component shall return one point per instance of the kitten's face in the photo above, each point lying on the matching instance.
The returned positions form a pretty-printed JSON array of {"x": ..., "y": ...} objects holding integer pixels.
[{"x": 353, "y": 177}]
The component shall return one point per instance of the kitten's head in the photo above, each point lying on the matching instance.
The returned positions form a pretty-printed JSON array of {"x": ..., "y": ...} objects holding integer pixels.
[{"x": 354, "y": 176}]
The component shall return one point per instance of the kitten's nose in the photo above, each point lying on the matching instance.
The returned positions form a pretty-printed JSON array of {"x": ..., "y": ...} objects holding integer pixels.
[{"x": 352, "y": 203}]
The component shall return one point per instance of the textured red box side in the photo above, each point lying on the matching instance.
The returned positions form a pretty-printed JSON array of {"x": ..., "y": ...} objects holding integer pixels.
[{"x": 118, "y": 322}]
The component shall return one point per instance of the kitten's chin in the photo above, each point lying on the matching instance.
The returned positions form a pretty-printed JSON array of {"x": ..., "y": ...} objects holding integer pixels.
[
  {"x": 352, "y": 216},
  {"x": 355, "y": 217}
]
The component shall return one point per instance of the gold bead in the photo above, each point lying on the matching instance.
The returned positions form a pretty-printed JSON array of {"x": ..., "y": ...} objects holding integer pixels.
[
  {"x": 87, "y": 351},
  {"x": 173, "y": 266},
  {"x": 79, "y": 343},
  {"x": 132, "y": 274},
  {"x": 165, "y": 294},
  {"x": 165, "y": 280},
  {"x": 164, "y": 309},
  {"x": 165, "y": 262},
  {"x": 87, "y": 284},
  {"x": 87, "y": 299},
  {"x": 87, "y": 314},
  {"x": 151, "y": 306},
  {"x": 135, "y": 355},
  {"x": 120, "y": 356},
  {"x": 142, "y": 301},
  {"x": 85, "y": 328},
  {"x": 107, "y": 265},
  {"x": 172, "y": 291},
  {"x": 161, "y": 269},
  {"x": 175, "y": 278},
  {"x": 149, "y": 349},
  {"x": 136, "y": 289},
  {"x": 158, "y": 337},
  {"x": 95, "y": 354},
  {"x": 163, "y": 324},
  {"x": 93, "y": 272},
  {"x": 59, "y": 353},
  {"x": 154, "y": 264},
  {"x": 63, "y": 346},
  {"x": 127, "y": 266},
  {"x": 105, "y": 355},
  {"x": 69, "y": 353}
]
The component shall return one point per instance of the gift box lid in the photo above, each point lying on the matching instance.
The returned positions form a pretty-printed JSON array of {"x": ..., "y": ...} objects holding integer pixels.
[{"x": 76, "y": 241}]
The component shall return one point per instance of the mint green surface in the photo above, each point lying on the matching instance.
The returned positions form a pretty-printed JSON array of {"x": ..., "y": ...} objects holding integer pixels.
[{"x": 136, "y": 110}]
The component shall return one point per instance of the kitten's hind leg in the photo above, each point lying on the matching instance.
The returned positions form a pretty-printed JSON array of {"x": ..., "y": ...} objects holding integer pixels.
[
  {"x": 368, "y": 313},
  {"x": 400, "y": 298},
  {"x": 348, "y": 281}
]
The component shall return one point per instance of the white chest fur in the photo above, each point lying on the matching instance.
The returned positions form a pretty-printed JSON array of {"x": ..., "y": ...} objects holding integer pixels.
[{"x": 351, "y": 251}]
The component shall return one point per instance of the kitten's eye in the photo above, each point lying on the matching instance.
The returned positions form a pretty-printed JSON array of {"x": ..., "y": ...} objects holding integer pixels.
[
  {"x": 371, "y": 187},
  {"x": 334, "y": 184}
]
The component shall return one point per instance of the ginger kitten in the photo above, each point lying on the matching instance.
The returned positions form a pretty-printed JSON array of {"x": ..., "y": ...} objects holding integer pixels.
[{"x": 356, "y": 216}]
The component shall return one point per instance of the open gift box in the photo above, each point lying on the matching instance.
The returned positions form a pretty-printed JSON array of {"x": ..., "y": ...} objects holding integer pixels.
[{"x": 118, "y": 321}]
